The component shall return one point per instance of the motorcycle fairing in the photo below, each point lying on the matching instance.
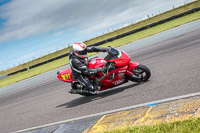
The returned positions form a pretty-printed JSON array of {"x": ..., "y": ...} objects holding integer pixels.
[
  {"x": 132, "y": 65},
  {"x": 114, "y": 78},
  {"x": 66, "y": 75},
  {"x": 96, "y": 63}
]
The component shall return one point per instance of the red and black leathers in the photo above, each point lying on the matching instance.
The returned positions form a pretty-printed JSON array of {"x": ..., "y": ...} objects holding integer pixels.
[{"x": 79, "y": 67}]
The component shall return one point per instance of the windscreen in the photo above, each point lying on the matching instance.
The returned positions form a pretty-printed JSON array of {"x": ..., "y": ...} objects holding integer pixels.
[{"x": 113, "y": 53}]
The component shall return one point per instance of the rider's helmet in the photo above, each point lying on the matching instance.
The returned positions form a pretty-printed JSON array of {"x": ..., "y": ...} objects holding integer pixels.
[{"x": 80, "y": 49}]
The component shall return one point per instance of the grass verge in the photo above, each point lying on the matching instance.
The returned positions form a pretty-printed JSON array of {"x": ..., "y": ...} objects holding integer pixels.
[
  {"x": 186, "y": 126},
  {"x": 131, "y": 38}
]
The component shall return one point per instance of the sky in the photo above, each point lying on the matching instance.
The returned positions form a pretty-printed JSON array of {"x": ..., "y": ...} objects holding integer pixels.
[{"x": 33, "y": 28}]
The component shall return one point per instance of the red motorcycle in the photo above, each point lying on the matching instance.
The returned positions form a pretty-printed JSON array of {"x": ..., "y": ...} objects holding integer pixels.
[{"x": 119, "y": 70}]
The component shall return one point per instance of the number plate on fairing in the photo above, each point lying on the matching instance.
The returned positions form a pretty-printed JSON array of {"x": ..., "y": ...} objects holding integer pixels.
[{"x": 67, "y": 76}]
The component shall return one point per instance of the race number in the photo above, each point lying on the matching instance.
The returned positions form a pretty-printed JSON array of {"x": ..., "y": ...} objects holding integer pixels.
[{"x": 67, "y": 76}]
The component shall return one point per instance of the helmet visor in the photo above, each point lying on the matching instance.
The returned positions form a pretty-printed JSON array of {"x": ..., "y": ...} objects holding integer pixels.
[{"x": 83, "y": 52}]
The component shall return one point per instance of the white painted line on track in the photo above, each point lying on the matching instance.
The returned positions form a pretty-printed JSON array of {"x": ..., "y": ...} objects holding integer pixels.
[{"x": 111, "y": 111}]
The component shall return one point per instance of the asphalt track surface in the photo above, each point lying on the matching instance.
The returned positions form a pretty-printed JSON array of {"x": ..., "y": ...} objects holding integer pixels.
[{"x": 175, "y": 67}]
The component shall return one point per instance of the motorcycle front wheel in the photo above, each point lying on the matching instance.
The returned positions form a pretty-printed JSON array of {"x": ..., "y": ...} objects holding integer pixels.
[{"x": 141, "y": 74}]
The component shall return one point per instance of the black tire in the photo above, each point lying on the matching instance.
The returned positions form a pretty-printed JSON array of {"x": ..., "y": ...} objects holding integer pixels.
[{"x": 142, "y": 72}]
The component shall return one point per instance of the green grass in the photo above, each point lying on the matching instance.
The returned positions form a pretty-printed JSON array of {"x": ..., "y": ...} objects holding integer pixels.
[
  {"x": 186, "y": 126},
  {"x": 108, "y": 35},
  {"x": 131, "y": 38}
]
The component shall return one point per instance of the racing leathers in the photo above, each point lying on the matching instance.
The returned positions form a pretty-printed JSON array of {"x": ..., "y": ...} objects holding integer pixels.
[{"x": 80, "y": 70}]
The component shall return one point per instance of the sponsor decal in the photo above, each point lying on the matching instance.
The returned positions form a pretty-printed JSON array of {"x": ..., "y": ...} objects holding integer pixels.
[
  {"x": 119, "y": 82},
  {"x": 121, "y": 75},
  {"x": 122, "y": 71},
  {"x": 130, "y": 72}
]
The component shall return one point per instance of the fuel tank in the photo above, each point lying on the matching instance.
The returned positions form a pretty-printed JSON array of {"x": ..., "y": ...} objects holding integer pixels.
[{"x": 97, "y": 62}]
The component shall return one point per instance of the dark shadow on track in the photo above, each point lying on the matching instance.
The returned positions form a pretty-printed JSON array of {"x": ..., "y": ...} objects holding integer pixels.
[{"x": 83, "y": 100}]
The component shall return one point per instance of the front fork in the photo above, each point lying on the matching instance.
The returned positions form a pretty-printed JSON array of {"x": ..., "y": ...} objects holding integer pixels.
[
  {"x": 130, "y": 74},
  {"x": 131, "y": 67}
]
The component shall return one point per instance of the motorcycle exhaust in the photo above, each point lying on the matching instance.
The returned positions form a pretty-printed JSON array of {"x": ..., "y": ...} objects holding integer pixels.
[{"x": 73, "y": 91}]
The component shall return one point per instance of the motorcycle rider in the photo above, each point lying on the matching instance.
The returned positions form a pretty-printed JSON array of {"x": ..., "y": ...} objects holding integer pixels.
[{"x": 78, "y": 57}]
